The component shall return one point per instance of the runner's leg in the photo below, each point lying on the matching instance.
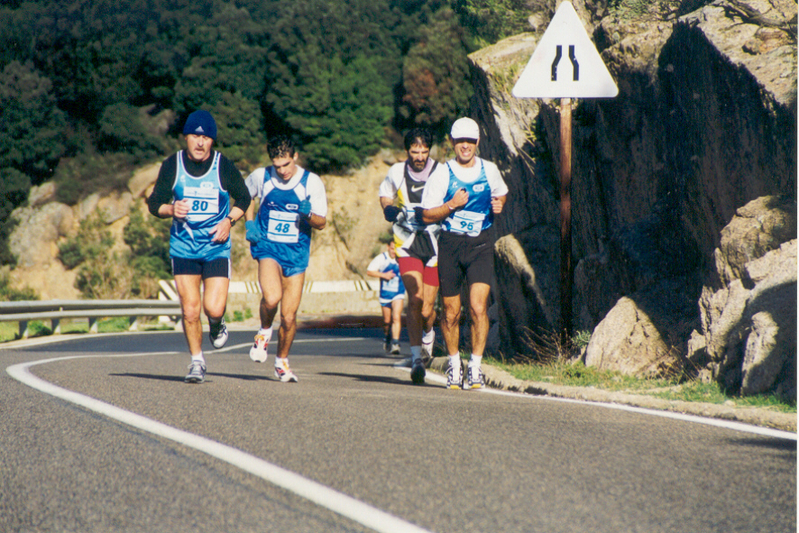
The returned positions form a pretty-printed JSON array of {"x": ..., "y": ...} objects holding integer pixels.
[
  {"x": 188, "y": 286},
  {"x": 292, "y": 294},
  {"x": 269, "y": 277},
  {"x": 414, "y": 287},
  {"x": 478, "y": 311}
]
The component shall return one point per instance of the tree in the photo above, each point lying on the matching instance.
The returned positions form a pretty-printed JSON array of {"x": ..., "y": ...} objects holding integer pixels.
[
  {"x": 226, "y": 57},
  {"x": 121, "y": 129},
  {"x": 337, "y": 101},
  {"x": 148, "y": 240},
  {"x": 489, "y": 21},
  {"x": 240, "y": 133},
  {"x": 436, "y": 80},
  {"x": 14, "y": 189},
  {"x": 31, "y": 126}
]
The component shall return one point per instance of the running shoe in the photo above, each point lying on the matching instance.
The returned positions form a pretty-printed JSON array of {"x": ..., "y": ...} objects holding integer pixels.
[
  {"x": 454, "y": 376},
  {"x": 428, "y": 339},
  {"x": 284, "y": 373},
  {"x": 218, "y": 334},
  {"x": 258, "y": 350},
  {"x": 196, "y": 373},
  {"x": 475, "y": 379},
  {"x": 417, "y": 372},
  {"x": 395, "y": 349}
]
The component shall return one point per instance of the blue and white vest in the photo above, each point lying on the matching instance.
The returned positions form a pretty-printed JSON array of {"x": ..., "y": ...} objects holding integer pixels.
[
  {"x": 209, "y": 204},
  {"x": 477, "y": 215},
  {"x": 280, "y": 222}
]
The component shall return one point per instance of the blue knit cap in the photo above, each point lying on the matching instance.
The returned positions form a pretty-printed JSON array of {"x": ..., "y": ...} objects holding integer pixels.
[{"x": 200, "y": 123}]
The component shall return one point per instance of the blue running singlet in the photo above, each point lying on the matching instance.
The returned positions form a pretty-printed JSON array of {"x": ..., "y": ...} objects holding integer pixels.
[
  {"x": 286, "y": 234},
  {"x": 190, "y": 238},
  {"x": 476, "y": 215}
]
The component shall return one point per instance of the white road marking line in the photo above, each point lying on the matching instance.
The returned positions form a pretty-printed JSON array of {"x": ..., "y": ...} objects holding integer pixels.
[
  {"x": 317, "y": 493},
  {"x": 727, "y": 424}
]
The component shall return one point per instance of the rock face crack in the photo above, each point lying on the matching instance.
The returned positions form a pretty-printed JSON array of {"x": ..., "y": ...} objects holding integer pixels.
[{"x": 750, "y": 15}]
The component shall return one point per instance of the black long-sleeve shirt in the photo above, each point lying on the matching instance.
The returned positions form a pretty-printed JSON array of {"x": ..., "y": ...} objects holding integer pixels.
[{"x": 229, "y": 177}]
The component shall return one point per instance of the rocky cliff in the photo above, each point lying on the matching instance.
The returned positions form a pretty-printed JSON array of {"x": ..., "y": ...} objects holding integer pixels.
[{"x": 704, "y": 123}]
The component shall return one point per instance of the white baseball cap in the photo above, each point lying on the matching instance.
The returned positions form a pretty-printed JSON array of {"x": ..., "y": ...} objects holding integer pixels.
[{"x": 465, "y": 128}]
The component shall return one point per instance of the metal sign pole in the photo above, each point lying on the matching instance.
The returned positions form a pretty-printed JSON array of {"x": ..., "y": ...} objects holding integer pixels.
[
  {"x": 565, "y": 218},
  {"x": 565, "y": 65}
]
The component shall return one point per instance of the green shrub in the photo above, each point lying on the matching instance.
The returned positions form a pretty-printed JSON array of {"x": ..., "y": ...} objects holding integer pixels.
[
  {"x": 10, "y": 294},
  {"x": 148, "y": 239},
  {"x": 78, "y": 177},
  {"x": 102, "y": 273}
]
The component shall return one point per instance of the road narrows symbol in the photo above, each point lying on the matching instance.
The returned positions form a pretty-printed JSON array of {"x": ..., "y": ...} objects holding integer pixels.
[
  {"x": 543, "y": 77},
  {"x": 572, "y": 58},
  {"x": 575, "y": 65},
  {"x": 558, "y": 55}
]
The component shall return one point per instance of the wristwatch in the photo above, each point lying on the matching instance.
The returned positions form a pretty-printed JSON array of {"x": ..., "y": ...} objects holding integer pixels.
[{"x": 232, "y": 221}]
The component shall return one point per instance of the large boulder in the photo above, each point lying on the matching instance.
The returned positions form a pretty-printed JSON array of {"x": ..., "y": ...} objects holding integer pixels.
[
  {"x": 748, "y": 306},
  {"x": 35, "y": 236},
  {"x": 645, "y": 334},
  {"x": 34, "y": 243}
]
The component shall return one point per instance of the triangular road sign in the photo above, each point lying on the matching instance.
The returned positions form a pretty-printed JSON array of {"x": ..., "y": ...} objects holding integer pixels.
[{"x": 565, "y": 63}]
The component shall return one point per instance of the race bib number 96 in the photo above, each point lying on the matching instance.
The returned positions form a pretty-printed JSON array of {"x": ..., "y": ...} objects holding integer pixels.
[{"x": 467, "y": 222}]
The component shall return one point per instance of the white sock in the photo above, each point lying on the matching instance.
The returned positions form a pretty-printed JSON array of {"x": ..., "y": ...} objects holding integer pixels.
[
  {"x": 199, "y": 357},
  {"x": 476, "y": 360},
  {"x": 455, "y": 360},
  {"x": 427, "y": 336},
  {"x": 266, "y": 332},
  {"x": 416, "y": 353},
  {"x": 280, "y": 362}
]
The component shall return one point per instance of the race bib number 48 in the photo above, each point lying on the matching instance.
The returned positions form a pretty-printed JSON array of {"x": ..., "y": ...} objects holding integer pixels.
[{"x": 283, "y": 227}]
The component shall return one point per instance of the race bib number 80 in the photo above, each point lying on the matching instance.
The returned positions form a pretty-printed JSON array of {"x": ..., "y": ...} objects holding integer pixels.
[
  {"x": 203, "y": 203},
  {"x": 283, "y": 227}
]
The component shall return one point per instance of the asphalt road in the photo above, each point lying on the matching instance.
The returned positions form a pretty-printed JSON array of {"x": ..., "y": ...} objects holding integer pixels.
[{"x": 353, "y": 446}]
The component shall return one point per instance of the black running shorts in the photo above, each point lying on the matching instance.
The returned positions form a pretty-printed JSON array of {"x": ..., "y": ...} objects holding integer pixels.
[
  {"x": 216, "y": 268},
  {"x": 461, "y": 257}
]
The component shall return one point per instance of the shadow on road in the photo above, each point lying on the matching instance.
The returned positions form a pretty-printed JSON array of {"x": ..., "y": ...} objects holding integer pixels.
[{"x": 369, "y": 379}]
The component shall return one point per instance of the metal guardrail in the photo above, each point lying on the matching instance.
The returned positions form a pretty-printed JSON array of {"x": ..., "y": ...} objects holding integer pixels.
[
  {"x": 55, "y": 310},
  {"x": 167, "y": 305}
]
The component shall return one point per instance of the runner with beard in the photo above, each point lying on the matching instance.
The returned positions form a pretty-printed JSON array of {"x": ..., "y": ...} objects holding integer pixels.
[{"x": 416, "y": 243}]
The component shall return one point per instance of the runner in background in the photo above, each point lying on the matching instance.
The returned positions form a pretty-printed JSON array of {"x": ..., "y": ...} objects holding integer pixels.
[
  {"x": 392, "y": 295},
  {"x": 416, "y": 243}
]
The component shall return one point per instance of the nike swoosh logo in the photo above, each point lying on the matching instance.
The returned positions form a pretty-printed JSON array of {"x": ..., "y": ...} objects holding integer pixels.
[{"x": 417, "y": 189}]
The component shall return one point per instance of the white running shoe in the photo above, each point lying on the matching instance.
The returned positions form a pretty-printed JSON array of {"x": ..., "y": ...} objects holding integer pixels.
[
  {"x": 218, "y": 334},
  {"x": 395, "y": 349},
  {"x": 454, "y": 376},
  {"x": 284, "y": 373},
  {"x": 258, "y": 350},
  {"x": 428, "y": 340},
  {"x": 196, "y": 373},
  {"x": 475, "y": 378}
]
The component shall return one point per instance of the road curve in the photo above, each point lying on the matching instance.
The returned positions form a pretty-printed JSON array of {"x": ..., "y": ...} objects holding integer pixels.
[{"x": 352, "y": 447}]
